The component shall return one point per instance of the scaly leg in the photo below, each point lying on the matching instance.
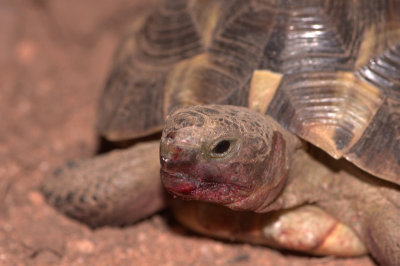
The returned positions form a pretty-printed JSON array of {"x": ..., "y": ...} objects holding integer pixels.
[
  {"x": 306, "y": 228},
  {"x": 117, "y": 188}
]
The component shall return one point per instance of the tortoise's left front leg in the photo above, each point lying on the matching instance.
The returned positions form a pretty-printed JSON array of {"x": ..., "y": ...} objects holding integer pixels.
[
  {"x": 381, "y": 228},
  {"x": 117, "y": 188},
  {"x": 372, "y": 208}
]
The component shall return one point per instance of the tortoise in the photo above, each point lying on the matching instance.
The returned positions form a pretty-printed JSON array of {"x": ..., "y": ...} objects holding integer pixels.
[{"x": 280, "y": 125}]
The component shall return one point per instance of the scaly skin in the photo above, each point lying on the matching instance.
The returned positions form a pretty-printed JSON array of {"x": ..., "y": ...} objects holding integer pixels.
[
  {"x": 306, "y": 228},
  {"x": 265, "y": 168},
  {"x": 117, "y": 188}
]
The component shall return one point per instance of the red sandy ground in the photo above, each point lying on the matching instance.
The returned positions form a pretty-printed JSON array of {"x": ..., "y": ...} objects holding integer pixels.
[{"x": 54, "y": 57}]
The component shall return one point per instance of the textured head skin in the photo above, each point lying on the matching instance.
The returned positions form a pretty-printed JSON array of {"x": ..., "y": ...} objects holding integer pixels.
[{"x": 224, "y": 154}]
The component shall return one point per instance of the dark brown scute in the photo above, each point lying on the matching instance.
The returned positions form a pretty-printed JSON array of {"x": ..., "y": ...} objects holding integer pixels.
[
  {"x": 384, "y": 71},
  {"x": 132, "y": 103},
  {"x": 198, "y": 81},
  {"x": 329, "y": 109},
  {"x": 168, "y": 35},
  {"x": 133, "y": 99},
  {"x": 239, "y": 39},
  {"x": 307, "y": 36},
  {"x": 378, "y": 150}
]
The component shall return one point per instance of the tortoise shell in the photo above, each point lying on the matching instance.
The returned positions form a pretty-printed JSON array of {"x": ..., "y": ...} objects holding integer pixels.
[{"x": 328, "y": 71}]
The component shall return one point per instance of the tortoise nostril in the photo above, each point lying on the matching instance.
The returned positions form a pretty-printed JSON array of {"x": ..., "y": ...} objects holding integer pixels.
[{"x": 171, "y": 135}]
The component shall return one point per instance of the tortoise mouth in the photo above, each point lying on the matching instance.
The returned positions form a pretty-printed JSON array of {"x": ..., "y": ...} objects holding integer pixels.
[
  {"x": 185, "y": 187},
  {"x": 178, "y": 183}
]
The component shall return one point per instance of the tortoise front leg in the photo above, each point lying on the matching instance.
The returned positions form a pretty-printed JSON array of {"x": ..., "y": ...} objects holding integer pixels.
[
  {"x": 117, "y": 188},
  {"x": 307, "y": 228},
  {"x": 381, "y": 230}
]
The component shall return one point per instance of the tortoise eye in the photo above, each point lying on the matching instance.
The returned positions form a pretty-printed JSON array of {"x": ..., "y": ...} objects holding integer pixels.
[{"x": 222, "y": 147}]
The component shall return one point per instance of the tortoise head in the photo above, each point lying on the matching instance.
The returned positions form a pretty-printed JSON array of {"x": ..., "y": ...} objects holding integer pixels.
[{"x": 223, "y": 154}]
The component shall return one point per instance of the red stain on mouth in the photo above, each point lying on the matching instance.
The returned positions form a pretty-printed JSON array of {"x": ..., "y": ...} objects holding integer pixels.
[
  {"x": 191, "y": 188},
  {"x": 177, "y": 183},
  {"x": 185, "y": 189}
]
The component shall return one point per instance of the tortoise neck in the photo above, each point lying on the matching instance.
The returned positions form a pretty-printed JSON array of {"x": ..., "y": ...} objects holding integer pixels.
[{"x": 307, "y": 176}]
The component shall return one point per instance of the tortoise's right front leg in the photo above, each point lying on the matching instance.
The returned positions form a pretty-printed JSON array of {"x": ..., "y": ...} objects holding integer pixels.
[
  {"x": 306, "y": 228},
  {"x": 117, "y": 188}
]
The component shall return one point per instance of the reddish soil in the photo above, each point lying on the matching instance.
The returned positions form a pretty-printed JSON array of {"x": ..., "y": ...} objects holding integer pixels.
[{"x": 54, "y": 58}]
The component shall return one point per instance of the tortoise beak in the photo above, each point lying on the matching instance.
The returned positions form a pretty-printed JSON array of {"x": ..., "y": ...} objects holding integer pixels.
[
  {"x": 178, "y": 146},
  {"x": 175, "y": 158},
  {"x": 168, "y": 151},
  {"x": 179, "y": 155}
]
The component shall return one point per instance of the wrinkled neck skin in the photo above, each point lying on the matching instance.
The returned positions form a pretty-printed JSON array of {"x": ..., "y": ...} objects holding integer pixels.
[
  {"x": 340, "y": 188},
  {"x": 305, "y": 181}
]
